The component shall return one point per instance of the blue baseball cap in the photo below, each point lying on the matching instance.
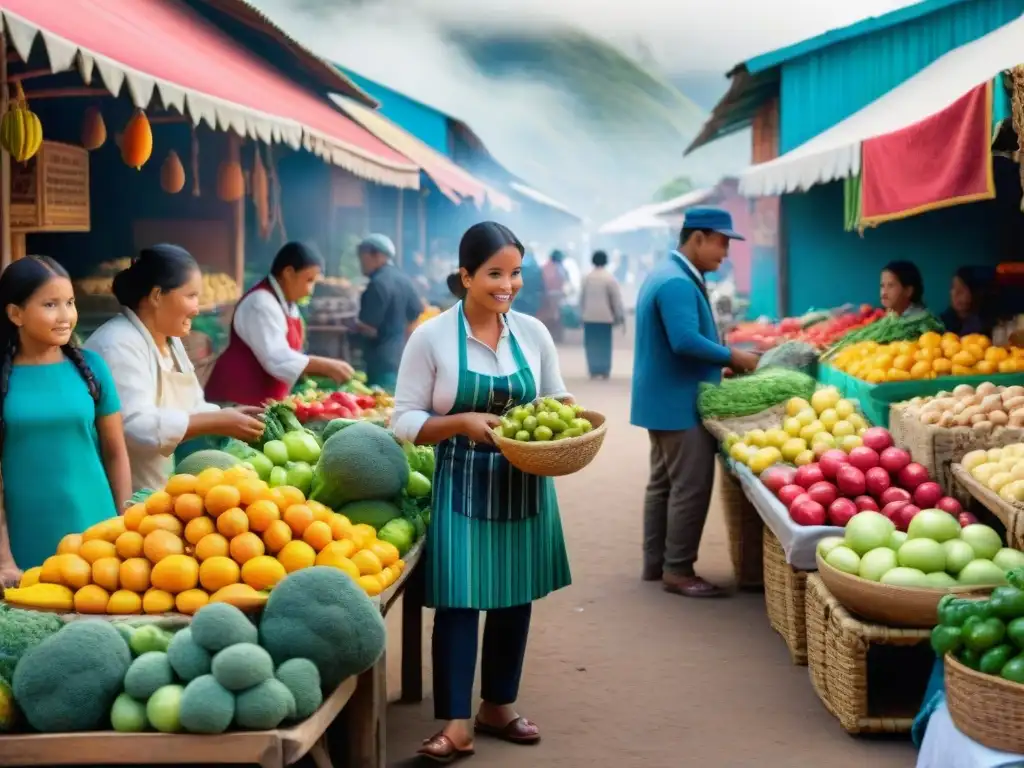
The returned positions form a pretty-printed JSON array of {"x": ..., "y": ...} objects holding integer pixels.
[
  {"x": 380, "y": 244},
  {"x": 713, "y": 219}
]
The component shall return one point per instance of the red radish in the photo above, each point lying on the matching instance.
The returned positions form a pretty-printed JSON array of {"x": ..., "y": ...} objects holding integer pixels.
[
  {"x": 850, "y": 481},
  {"x": 840, "y": 511},
  {"x": 824, "y": 493},
  {"x": 927, "y": 495},
  {"x": 866, "y": 503},
  {"x": 949, "y": 504},
  {"x": 808, "y": 512},
  {"x": 877, "y": 481},
  {"x": 894, "y": 494},
  {"x": 965, "y": 519},
  {"x": 891, "y": 509},
  {"x": 830, "y": 462},
  {"x": 912, "y": 475},
  {"x": 808, "y": 475},
  {"x": 863, "y": 458},
  {"x": 904, "y": 516},
  {"x": 893, "y": 459},
  {"x": 877, "y": 439},
  {"x": 788, "y": 493},
  {"x": 778, "y": 476}
]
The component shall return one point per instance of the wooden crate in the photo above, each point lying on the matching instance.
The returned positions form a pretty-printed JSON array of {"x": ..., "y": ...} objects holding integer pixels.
[
  {"x": 784, "y": 588},
  {"x": 871, "y": 678},
  {"x": 743, "y": 526}
]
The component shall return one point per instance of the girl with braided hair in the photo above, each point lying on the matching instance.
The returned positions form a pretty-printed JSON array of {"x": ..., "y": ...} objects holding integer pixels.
[{"x": 63, "y": 459}]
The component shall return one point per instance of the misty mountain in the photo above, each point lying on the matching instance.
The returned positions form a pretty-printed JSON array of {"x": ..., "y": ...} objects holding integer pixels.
[{"x": 704, "y": 87}]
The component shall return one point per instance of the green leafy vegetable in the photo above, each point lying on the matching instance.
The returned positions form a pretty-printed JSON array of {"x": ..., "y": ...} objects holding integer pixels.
[{"x": 746, "y": 395}]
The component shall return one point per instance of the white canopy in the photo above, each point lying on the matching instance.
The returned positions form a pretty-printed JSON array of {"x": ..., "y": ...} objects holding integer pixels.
[
  {"x": 835, "y": 153},
  {"x": 650, "y": 216}
]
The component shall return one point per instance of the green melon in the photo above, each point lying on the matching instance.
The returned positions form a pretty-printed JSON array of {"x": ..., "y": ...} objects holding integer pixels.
[{"x": 196, "y": 462}]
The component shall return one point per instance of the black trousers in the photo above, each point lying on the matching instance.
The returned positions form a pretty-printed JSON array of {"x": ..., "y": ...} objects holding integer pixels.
[{"x": 454, "y": 646}]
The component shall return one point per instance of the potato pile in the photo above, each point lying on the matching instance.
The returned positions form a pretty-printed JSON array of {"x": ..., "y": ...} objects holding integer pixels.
[{"x": 983, "y": 408}]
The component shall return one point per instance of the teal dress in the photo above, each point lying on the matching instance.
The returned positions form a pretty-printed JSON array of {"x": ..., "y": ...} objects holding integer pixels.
[
  {"x": 495, "y": 537},
  {"x": 53, "y": 474}
]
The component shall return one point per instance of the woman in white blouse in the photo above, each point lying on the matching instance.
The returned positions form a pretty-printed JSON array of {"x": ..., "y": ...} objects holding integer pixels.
[
  {"x": 495, "y": 539},
  {"x": 161, "y": 399},
  {"x": 264, "y": 357}
]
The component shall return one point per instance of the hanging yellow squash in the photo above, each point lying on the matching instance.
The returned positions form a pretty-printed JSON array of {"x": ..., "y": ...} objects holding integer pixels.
[
  {"x": 21, "y": 133},
  {"x": 94, "y": 130},
  {"x": 230, "y": 181},
  {"x": 137, "y": 141},
  {"x": 172, "y": 174}
]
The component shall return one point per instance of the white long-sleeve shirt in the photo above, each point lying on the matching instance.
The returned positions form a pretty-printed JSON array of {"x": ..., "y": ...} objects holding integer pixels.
[
  {"x": 261, "y": 321},
  {"x": 428, "y": 377}
]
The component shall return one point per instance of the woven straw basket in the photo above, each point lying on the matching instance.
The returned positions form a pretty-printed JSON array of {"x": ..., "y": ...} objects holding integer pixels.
[
  {"x": 985, "y": 708},
  {"x": 558, "y": 457},
  {"x": 889, "y": 605}
]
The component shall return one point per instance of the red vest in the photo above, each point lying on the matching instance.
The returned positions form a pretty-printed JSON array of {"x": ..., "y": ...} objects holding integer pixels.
[{"x": 238, "y": 377}]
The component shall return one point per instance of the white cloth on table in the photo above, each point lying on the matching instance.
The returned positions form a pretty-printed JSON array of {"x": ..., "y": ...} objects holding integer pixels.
[
  {"x": 428, "y": 376},
  {"x": 944, "y": 746},
  {"x": 261, "y": 322}
]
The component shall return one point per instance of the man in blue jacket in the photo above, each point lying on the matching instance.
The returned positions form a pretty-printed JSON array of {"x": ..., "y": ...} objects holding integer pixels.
[{"x": 677, "y": 348}]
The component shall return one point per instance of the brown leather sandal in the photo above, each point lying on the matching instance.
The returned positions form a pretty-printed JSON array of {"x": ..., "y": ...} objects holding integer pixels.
[
  {"x": 518, "y": 731},
  {"x": 439, "y": 748}
]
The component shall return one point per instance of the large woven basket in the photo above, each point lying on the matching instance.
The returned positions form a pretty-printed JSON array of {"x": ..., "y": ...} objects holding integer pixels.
[
  {"x": 558, "y": 457},
  {"x": 744, "y": 528},
  {"x": 784, "y": 596},
  {"x": 888, "y": 605},
  {"x": 772, "y": 417},
  {"x": 985, "y": 708}
]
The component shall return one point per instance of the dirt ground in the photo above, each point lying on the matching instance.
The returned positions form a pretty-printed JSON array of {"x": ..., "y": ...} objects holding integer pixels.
[{"x": 620, "y": 673}]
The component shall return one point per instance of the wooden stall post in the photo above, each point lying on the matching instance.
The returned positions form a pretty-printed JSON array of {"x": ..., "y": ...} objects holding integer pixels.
[
  {"x": 421, "y": 214},
  {"x": 6, "y": 255},
  {"x": 399, "y": 226},
  {"x": 237, "y": 226}
]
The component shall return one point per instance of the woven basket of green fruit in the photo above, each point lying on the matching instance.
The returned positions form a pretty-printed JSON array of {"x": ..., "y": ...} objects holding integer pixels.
[{"x": 549, "y": 438}]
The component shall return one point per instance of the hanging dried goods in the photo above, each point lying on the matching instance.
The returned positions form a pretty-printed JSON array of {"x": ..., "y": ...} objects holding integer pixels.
[
  {"x": 137, "y": 141},
  {"x": 172, "y": 174},
  {"x": 230, "y": 182},
  {"x": 94, "y": 130},
  {"x": 21, "y": 132}
]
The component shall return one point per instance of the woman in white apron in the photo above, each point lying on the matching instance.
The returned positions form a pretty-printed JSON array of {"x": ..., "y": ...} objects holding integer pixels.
[{"x": 161, "y": 399}]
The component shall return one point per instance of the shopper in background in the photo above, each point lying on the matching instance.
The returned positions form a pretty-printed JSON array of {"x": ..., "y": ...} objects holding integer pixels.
[
  {"x": 530, "y": 299},
  {"x": 678, "y": 348},
  {"x": 554, "y": 296},
  {"x": 389, "y": 305},
  {"x": 902, "y": 289},
  {"x": 601, "y": 310},
  {"x": 161, "y": 399},
  {"x": 264, "y": 357},
  {"x": 972, "y": 306},
  {"x": 62, "y": 449}
]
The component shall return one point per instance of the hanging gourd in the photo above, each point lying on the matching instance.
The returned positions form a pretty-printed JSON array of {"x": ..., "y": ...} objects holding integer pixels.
[
  {"x": 94, "y": 130},
  {"x": 172, "y": 174},
  {"x": 137, "y": 141},
  {"x": 261, "y": 192},
  {"x": 21, "y": 133},
  {"x": 230, "y": 181}
]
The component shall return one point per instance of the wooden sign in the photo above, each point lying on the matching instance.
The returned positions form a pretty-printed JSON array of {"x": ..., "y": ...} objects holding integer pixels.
[{"x": 50, "y": 193}]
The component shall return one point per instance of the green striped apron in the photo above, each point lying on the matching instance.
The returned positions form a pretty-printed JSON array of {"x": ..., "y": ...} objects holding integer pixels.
[{"x": 495, "y": 537}]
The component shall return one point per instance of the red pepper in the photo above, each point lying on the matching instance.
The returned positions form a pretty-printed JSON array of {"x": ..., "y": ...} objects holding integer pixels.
[{"x": 366, "y": 401}]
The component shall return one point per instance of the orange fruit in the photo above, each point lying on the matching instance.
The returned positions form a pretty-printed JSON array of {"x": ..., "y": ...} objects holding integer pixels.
[
  {"x": 277, "y": 535},
  {"x": 320, "y": 511},
  {"x": 190, "y": 601},
  {"x": 108, "y": 530},
  {"x": 239, "y": 474},
  {"x": 986, "y": 366},
  {"x": 211, "y": 545},
  {"x": 367, "y": 562},
  {"x": 179, "y": 484},
  {"x": 296, "y": 555},
  {"x": 49, "y": 573},
  {"x": 207, "y": 479},
  {"x": 996, "y": 354},
  {"x": 371, "y": 585},
  {"x": 159, "y": 544},
  {"x": 75, "y": 571},
  {"x": 30, "y": 577},
  {"x": 221, "y": 498},
  {"x": 360, "y": 537},
  {"x": 159, "y": 503},
  {"x": 241, "y": 596},
  {"x": 275, "y": 495},
  {"x": 333, "y": 558},
  {"x": 91, "y": 599},
  {"x": 366, "y": 530},
  {"x": 70, "y": 544},
  {"x": 232, "y": 522},
  {"x": 107, "y": 573},
  {"x": 262, "y": 572},
  {"x": 164, "y": 521},
  {"x": 134, "y": 574},
  {"x": 317, "y": 535},
  {"x": 198, "y": 528},
  {"x": 298, "y": 517},
  {"x": 157, "y": 601},
  {"x": 124, "y": 602},
  {"x": 251, "y": 490},
  {"x": 91, "y": 551},
  {"x": 129, "y": 544},
  {"x": 175, "y": 573},
  {"x": 261, "y": 514},
  {"x": 292, "y": 495},
  {"x": 245, "y": 546},
  {"x": 217, "y": 572},
  {"x": 385, "y": 551},
  {"x": 134, "y": 515},
  {"x": 388, "y": 577},
  {"x": 341, "y": 526},
  {"x": 341, "y": 548},
  {"x": 189, "y": 506}
]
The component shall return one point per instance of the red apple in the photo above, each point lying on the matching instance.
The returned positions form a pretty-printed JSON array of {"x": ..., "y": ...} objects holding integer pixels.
[
  {"x": 893, "y": 459},
  {"x": 866, "y": 503},
  {"x": 912, "y": 475},
  {"x": 894, "y": 494},
  {"x": 808, "y": 475},
  {"x": 808, "y": 512},
  {"x": 840, "y": 511},
  {"x": 949, "y": 504},
  {"x": 877, "y": 439},
  {"x": 850, "y": 481},
  {"x": 788, "y": 493},
  {"x": 777, "y": 476},
  {"x": 965, "y": 519},
  {"x": 824, "y": 493},
  {"x": 927, "y": 494},
  {"x": 904, "y": 516},
  {"x": 830, "y": 462},
  {"x": 892, "y": 509},
  {"x": 863, "y": 458},
  {"x": 877, "y": 481}
]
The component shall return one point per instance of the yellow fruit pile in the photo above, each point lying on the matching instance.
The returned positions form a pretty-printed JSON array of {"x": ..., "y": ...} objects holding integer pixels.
[
  {"x": 929, "y": 357},
  {"x": 221, "y": 536}
]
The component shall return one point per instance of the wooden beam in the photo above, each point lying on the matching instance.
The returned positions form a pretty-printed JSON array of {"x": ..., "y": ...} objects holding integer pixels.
[
  {"x": 64, "y": 93},
  {"x": 28, "y": 74},
  {"x": 5, "y": 169}
]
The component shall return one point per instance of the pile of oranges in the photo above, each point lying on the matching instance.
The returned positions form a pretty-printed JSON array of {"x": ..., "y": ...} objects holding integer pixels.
[
  {"x": 222, "y": 535},
  {"x": 931, "y": 356}
]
